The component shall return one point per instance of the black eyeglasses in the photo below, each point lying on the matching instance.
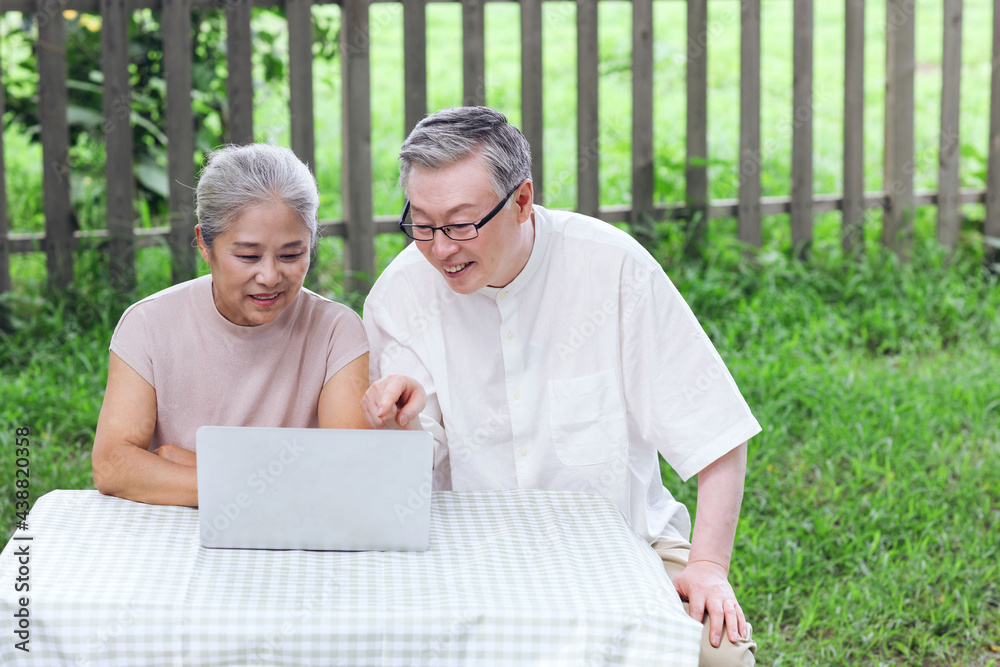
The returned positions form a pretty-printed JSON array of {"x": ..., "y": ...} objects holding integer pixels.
[{"x": 463, "y": 232}]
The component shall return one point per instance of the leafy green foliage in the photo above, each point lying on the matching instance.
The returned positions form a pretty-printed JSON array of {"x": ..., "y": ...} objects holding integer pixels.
[{"x": 146, "y": 106}]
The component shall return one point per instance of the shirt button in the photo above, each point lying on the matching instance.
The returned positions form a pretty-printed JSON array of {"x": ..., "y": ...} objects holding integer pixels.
[
  {"x": 522, "y": 451},
  {"x": 517, "y": 395},
  {"x": 503, "y": 294},
  {"x": 510, "y": 334}
]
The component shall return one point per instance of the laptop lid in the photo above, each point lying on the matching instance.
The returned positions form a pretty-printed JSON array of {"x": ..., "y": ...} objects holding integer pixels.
[{"x": 312, "y": 488}]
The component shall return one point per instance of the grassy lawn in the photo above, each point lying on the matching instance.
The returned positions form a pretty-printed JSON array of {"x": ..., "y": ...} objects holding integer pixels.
[
  {"x": 870, "y": 527},
  {"x": 870, "y": 532}
]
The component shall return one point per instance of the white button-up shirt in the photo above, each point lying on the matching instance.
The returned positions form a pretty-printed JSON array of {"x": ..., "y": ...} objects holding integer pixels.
[{"x": 571, "y": 377}]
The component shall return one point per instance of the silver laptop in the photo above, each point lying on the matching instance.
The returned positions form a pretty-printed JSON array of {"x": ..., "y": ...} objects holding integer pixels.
[{"x": 312, "y": 488}]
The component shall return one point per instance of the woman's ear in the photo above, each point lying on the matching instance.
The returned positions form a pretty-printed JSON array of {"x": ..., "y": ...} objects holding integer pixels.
[{"x": 202, "y": 248}]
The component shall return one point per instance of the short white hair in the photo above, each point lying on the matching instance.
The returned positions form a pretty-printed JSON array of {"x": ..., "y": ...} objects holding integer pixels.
[
  {"x": 449, "y": 136},
  {"x": 237, "y": 178}
]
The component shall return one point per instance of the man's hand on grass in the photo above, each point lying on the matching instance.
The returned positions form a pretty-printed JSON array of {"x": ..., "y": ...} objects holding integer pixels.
[{"x": 705, "y": 586}]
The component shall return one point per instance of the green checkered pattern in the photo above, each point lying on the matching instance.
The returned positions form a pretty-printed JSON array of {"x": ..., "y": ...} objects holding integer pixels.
[{"x": 511, "y": 578}]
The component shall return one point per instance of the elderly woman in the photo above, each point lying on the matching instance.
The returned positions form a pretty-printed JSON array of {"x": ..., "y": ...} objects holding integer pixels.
[{"x": 247, "y": 345}]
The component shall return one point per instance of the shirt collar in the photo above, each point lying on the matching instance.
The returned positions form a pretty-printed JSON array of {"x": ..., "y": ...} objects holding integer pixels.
[{"x": 538, "y": 246}]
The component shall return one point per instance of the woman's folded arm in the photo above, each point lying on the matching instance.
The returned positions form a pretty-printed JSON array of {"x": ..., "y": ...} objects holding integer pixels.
[{"x": 123, "y": 466}]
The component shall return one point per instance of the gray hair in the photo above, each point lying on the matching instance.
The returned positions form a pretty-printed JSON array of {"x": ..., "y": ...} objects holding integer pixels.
[
  {"x": 237, "y": 178},
  {"x": 449, "y": 136}
]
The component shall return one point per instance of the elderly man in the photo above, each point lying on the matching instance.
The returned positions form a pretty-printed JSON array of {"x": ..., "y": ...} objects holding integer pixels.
[{"x": 548, "y": 350}]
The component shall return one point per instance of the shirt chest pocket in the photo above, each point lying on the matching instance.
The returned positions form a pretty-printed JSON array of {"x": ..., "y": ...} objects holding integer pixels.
[{"x": 587, "y": 419}]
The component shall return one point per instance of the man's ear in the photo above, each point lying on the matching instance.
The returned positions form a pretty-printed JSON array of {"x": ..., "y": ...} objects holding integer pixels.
[
  {"x": 524, "y": 199},
  {"x": 202, "y": 248}
]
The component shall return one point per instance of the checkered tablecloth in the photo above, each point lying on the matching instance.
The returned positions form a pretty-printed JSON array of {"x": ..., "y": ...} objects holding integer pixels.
[{"x": 511, "y": 578}]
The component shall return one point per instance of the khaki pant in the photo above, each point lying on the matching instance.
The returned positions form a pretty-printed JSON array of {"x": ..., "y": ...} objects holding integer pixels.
[{"x": 741, "y": 654}]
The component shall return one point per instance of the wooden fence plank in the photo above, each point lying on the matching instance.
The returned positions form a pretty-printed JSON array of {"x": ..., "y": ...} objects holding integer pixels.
[
  {"x": 298, "y": 13},
  {"x": 118, "y": 141},
  {"x": 180, "y": 135},
  {"x": 4, "y": 222},
  {"x": 414, "y": 70},
  {"x": 948, "y": 151},
  {"x": 991, "y": 229},
  {"x": 415, "y": 61},
  {"x": 696, "y": 171},
  {"x": 473, "y": 53},
  {"x": 52, "y": 104},
  {"x": 750, "y": 156},
  {"x": 239, "y": 85},
  {"x": 852, "y": 229},
  {"x": 643, "y": 183},
  {"x": 359, "y": 250},
  {"x": 802, "y": 128},
  {"x": 897, "y": 225},
  {"x": 588, "y": 184},
  {"x": 532, "y": 124}
]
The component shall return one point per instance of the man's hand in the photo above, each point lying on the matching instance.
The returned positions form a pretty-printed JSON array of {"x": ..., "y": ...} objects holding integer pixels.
[
  {"x": 395, "y": 402},
  {"x": 705, "y": 585},
  {"x": 175, "y": 454}
]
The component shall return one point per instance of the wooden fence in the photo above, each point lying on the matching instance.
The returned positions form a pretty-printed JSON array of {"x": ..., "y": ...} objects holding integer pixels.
[{"x": 897, "y": 199}]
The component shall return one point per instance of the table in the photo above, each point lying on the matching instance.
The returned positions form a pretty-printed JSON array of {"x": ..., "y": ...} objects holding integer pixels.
[{"x": 511, "y": 578}]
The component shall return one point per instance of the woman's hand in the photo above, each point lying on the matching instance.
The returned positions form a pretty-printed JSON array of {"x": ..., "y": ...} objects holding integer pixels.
[{"x": 175, "y": 454}]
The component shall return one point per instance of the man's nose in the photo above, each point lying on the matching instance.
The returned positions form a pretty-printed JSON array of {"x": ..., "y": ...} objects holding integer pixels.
[{"x": 442, "y": 246}]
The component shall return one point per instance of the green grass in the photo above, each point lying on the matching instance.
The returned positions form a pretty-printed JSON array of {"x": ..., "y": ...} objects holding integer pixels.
[
  {"x": 869, "y": 533},
  {"x": 871, "y": 517},
  {"x": 871, "y": 522}
]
